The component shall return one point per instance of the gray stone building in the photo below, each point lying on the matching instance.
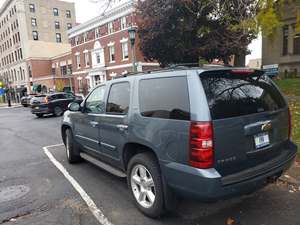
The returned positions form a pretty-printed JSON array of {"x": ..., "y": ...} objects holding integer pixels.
[
  {"x": 32, "y": 31},
  {"x": 284, "y": 49}
]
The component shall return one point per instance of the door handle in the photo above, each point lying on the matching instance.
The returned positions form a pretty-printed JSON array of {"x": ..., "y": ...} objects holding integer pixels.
[
  {"x": 94, "y": 124},
  {"x": 122, "y": 127}
]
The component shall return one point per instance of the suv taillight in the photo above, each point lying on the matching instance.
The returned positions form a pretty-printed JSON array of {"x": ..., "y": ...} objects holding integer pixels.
[
  {"x": 201, "y": 145},
  {"x": 290, "y": 123}
]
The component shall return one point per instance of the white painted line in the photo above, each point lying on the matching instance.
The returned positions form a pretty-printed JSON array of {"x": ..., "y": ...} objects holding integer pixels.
[
  {"x": 52, "y": 146},
  {"x": 90, "y": 203}
]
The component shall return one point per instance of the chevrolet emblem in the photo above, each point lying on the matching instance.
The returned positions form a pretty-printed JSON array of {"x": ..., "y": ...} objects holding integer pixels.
[{"x": 266, "y": 127}]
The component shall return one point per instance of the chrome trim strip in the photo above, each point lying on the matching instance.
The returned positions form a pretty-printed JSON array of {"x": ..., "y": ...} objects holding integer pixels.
[
  {"x": 88, "y": 139},
  {"x": 107, "y": 115},
  {"x": 108, "y": 145}
]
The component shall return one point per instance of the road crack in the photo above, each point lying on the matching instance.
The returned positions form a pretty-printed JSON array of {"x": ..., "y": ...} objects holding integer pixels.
[{"x": 14, "y": 218}]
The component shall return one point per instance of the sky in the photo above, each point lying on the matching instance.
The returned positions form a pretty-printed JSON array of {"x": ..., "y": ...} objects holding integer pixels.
[{"x": 88, "y": 9}]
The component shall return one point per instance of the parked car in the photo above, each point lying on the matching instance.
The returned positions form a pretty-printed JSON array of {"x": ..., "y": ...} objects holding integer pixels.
[
  {"x": 203, "y": 133},
  {"x": 53, "y": 103},
  {"x": 25, "y": 100}
]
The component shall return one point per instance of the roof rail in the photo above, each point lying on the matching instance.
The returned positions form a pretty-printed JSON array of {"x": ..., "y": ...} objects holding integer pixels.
[{"x": 182, "y": 66}]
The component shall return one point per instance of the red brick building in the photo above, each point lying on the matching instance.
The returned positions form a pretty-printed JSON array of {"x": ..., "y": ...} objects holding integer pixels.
[
  {"x": 101, "y": 47},
  {"x": 52, "y": 74}
]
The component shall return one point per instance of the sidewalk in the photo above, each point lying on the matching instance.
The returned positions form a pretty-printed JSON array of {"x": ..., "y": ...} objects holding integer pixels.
[{"x": 13, "y": 105}]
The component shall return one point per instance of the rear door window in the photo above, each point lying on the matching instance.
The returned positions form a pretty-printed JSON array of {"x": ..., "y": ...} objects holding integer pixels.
[
  {"x": 165, "y": 98},
  {"x": 119, "y": 98},
  {"x": 239, "y": 95}
]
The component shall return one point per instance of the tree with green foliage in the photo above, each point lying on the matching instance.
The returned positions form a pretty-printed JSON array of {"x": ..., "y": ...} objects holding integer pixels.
[{"x": 184, "y": 31}]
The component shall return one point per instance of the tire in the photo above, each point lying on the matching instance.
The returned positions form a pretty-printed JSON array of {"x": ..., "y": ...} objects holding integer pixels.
[
  {"x": 146, "y": 164},
  {"x": 58, "y": 111},
  {"x": 72, "y": 150},
  {"x": 39, "y": 115}
]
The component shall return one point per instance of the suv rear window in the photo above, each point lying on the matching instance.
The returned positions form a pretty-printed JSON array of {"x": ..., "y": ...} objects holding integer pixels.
[
  {"x": 165, "y": 98},
  {"x": 238, "y": 95}
]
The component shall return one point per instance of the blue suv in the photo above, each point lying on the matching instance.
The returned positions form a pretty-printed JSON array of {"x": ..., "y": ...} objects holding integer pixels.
[{"x": 205, "y": 133}]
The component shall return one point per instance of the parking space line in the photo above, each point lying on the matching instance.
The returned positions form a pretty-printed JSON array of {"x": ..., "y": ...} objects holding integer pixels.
[
  {"x": 90, "y": 203},
  {"x": 52, "y": 146}
]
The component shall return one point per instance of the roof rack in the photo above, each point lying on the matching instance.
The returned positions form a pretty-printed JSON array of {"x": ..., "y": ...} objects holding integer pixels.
[{"x": 183, "y": 66}]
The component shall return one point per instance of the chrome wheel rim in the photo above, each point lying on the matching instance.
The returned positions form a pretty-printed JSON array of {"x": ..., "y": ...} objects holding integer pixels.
[
  {"x": 142, "y": 185},
  {"x": 68, "y": 147}
]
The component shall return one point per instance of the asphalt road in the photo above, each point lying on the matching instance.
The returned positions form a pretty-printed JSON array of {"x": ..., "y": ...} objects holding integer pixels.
[{"x": 33, "y": 191}]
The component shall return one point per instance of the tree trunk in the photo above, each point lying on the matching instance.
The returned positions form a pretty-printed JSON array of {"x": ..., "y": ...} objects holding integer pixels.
[{"x": 240, "y": 60}]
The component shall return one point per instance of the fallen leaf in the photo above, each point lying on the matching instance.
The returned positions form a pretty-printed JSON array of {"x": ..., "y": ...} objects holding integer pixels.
[{"x": 230, "y": 221}]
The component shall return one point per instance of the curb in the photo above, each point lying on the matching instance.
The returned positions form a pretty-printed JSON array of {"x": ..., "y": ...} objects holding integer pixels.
[
  {"x": 12, "y": 107},
  {"x": 289, "y": 180}
]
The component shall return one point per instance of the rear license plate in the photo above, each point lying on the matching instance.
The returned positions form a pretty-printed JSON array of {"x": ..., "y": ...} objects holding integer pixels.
[
  {"x": 261, "y": 140},
  {"x": 36, "y": 107}
]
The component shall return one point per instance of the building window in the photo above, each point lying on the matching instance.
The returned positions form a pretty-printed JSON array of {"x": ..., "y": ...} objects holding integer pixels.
[
  {"x": 78, "y": 61},
  {"x": 97, "y": 33},
  {"x": 86, "y": 59},
  {"x": 69, "y": 71},
  {"x": 123, "y": 23},
  {"x": 63, "y": 70},
  {"x": 53, "y": 70},
  {"x": 55, "y": 11},
  {"x": 33, "y": 22},
  {"x": 35, "y": 35},
  {"x": 110, "y": 28},
  {"x": 68, "y": 14},
  {"x": 125, "y": 50},
  {"x": 85, "y": 37},
  {"x": 285, "y": 43},
  {"x": 57, "y": 26},
  {"x": 112, "y": 53},
  {"x": 297, "y": 44},
  {"x": 31, "y": 8},
  {"x": 58, "y": 38},
  {"x": 77, "y": 40},
  {"x": 98, "y": 58},
  {"x": 69, "y": 26}
]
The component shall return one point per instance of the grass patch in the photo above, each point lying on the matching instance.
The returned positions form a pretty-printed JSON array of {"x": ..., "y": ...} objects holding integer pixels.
[
  {"x": 289, "y": 87},
  {"x": 295, "y": 111}
]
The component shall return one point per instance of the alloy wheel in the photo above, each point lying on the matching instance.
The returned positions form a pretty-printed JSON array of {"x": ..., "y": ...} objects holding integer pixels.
[{"x": 142, "y": 185}]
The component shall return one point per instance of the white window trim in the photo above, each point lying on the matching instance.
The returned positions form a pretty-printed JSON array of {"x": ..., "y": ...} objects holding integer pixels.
[
  {"x": 112, "y": 61},
  {"x": 113, "y": 74},
  {"x": 86, "y": 56},
  {"x": 123, "y": 58},
  {"x": 110, "y": 44},
  {"x": 123, "y": 40}
]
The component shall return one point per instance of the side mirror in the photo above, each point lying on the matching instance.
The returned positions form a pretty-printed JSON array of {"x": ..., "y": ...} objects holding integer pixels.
[{"x": 74, "y": 107}]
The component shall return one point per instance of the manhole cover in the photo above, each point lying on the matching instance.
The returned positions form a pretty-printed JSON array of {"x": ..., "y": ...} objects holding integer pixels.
[{"x": 13, "y": 192}]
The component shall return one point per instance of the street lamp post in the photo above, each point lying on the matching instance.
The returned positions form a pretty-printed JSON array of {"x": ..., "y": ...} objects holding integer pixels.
[{"x": 132, "y": 33}]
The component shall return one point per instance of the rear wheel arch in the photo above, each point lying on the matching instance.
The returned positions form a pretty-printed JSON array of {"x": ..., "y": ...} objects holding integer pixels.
[{"x": 132, "y": 149}]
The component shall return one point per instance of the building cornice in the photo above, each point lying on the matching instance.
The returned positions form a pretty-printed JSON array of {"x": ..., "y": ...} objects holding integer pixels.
[
  {"x": 109, "y": 16},
  {"x": 4, "y": 6}
]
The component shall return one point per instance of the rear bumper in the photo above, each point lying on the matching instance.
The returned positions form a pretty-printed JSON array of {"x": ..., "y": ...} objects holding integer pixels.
[
  {"x": 42, "y": 109},
  {"x": 209, "y": 185}
]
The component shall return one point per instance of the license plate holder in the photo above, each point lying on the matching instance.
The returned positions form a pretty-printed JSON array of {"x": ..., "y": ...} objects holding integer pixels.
[{"x": 261, "y": 140}]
